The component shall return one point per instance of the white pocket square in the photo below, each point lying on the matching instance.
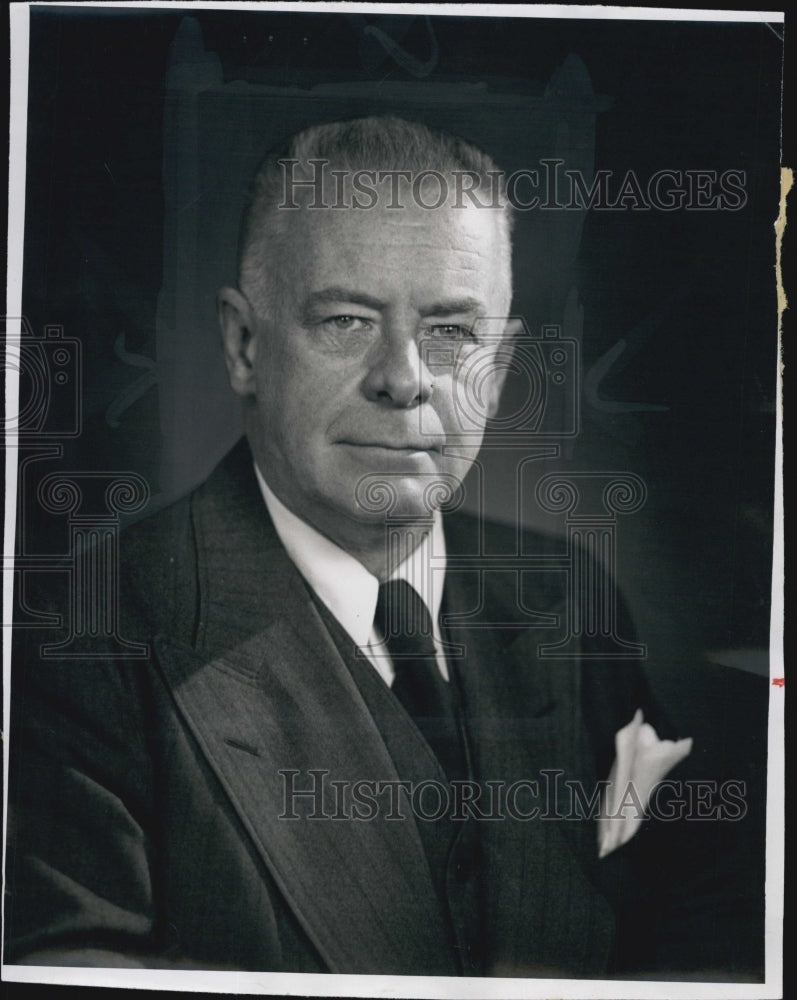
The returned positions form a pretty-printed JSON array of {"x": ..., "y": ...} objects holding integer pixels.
[{"x": 641, "y": 761}]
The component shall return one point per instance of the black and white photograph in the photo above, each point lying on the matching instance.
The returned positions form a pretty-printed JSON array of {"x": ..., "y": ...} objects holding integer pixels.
[{"x": 393, "y": 540}]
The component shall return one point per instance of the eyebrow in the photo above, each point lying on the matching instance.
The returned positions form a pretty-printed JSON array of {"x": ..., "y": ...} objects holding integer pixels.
[
  {"x": 337, "y": 293},
  {"x": 451, "y": 306}
]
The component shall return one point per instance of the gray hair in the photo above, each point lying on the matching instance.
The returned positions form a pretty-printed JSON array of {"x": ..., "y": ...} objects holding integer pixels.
[{"x": 376, "y": 143}]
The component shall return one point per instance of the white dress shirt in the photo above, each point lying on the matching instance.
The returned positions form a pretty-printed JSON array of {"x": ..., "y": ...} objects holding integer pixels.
[{"x": 346, "y": 587}]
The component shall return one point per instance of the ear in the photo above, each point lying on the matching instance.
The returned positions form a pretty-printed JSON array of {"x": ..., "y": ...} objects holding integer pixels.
[
  {"x": 503, "y": 357},
  {"x": 238, "y": 325}
]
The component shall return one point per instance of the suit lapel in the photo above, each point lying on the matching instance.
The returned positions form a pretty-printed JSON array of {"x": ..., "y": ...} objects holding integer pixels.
[{"x": 269, "y": 702}]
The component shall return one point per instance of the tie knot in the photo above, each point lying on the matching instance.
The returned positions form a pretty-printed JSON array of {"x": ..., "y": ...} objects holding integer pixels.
[
  {"x": 406, "y": 627},
  {"x": 403, "y": 621}
]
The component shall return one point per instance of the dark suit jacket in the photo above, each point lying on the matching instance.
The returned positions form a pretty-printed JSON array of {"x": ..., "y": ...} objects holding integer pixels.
[{"x": 147, "y": 794}]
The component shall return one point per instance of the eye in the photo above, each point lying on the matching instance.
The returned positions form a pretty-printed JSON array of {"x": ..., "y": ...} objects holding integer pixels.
[
  {"x": 451, "y": 331},
  {"x": 347, "y": 323}
]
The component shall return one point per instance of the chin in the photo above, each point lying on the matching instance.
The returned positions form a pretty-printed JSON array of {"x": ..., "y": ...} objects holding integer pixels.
[{"x": 380, "y": 496}]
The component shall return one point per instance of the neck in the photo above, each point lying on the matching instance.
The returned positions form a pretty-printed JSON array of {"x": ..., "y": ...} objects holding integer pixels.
[{"x": 385, "y": 549}]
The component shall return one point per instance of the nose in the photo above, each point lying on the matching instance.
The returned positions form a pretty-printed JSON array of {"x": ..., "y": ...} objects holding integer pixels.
[{"x": 398, "y": 377}]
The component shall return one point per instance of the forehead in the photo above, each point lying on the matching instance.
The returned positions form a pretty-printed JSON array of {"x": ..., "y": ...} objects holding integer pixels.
[{"x": 409, "y": 250}]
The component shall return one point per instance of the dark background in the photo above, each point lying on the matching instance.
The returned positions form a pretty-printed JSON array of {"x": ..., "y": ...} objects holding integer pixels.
[{"x": 692, "y": 293}]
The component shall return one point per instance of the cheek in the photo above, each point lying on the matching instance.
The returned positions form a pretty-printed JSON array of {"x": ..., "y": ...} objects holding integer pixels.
[
  {"x": 464, "y": 396},
  {"x": 308, "y": 370},
  {"x": 300, "y": 401},
  {"x": 285, "y": 378}
]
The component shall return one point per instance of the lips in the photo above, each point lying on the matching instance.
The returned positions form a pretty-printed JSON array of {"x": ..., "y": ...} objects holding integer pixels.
[{"x": 398, "y": 446}]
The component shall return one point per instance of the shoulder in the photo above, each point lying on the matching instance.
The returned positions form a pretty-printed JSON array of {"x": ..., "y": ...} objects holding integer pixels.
[
  {"x": 468, "y": 533},
  {"x": 166, "y": 533},
  {"x": 523, "y": 572},
  {"x": 160, "y": 555},
  {"x": 157, "y": 562},
  {"x": 507, "y": 568}
]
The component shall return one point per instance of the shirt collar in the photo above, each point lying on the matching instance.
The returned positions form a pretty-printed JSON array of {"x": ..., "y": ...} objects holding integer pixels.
[{"x": 341, "y": 581}]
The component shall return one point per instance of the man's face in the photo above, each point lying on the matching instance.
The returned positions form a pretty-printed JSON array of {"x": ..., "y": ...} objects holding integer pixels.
[{"x": 366, "y": 365}]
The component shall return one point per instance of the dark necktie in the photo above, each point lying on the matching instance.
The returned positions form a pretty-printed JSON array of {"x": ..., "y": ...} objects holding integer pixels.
[{"x": 405, "y": 625}]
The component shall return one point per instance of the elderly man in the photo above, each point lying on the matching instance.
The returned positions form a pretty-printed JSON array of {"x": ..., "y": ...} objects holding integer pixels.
[{"x": 263, "y": 791}]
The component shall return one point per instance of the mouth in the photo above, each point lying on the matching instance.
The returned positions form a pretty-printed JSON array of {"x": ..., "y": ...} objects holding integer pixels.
[
  {"x": 400, "y": 448},
  {"x": 412, "y": 456}
]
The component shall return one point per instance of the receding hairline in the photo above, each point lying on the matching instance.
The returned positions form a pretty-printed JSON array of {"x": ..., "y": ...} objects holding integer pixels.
[{"x": 376, "y": 144}]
